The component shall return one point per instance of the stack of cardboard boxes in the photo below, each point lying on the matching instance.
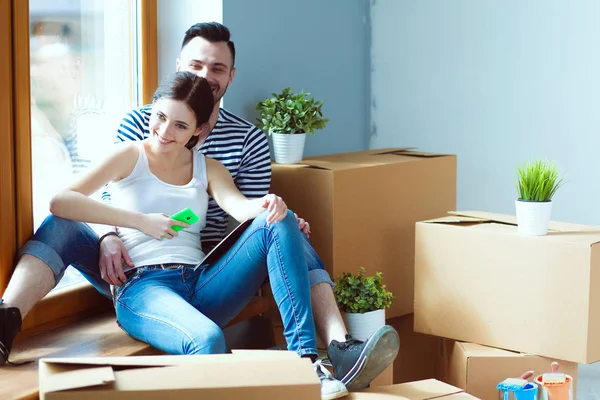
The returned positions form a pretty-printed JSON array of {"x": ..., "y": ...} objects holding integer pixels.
[
  {"x": 478, "y": 280},
  {"x": 468, "y": 277},
  {"x": 362, "y": 208}
]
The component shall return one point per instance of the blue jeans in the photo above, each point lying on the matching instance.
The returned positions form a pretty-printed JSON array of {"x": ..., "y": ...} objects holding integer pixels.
[
  {"x": 61, "y": 242},
  {"x": 181, "y": 311}
]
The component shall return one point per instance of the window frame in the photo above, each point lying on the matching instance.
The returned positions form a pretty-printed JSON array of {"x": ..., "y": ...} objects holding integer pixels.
[{"x": 16, "y": 206}]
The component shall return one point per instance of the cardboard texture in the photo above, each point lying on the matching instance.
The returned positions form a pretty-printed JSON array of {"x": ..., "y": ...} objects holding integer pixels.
[
  {"x": 477, "y": 280},
  {"x": 385, "y": 378},
  {"x": 244, "y": 374},
  {"x": 362, "y": 208},
  {"x": 419, "y": 390},
  {"x": 417, "y": 357},
  {"x": 478, "y": 369}
]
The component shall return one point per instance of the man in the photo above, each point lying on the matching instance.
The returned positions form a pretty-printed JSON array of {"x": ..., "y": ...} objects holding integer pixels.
[{"x": 208, "y": 52}]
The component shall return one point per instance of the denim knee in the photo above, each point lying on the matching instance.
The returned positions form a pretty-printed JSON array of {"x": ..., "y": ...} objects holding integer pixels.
[
  {"x": 210, "y": 341},
  {"x": 55, "y": 240},
  {"x": 289, "y": 222}
]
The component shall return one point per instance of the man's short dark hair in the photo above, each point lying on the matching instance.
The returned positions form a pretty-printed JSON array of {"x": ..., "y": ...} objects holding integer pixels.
[{"x": 211, "y": 31}]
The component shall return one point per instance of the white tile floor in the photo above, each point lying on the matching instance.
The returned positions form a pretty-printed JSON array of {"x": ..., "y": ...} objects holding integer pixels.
[{"x": 589, "y": 382}]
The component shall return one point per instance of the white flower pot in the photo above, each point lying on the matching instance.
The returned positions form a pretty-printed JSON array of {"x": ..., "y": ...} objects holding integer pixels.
[
  {"x": 288, "y": 148},
  {"x": 533, "y": 217},
  {"x": 362, "y": 326}
]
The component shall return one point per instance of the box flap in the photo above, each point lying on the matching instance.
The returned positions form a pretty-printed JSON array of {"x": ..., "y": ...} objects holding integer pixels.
[
  {"x": 588, "y": 235},
  {"x": 130, "y": 361},
  {"x": 274, "y": 368},
  {"x": 477, "y": 350},
  {"x": 296, "y": 372},
  {"x": 487, "y": 216},
  {"x": 283, "y": 355},
  {"x": 418, "y": 390},
  {"x": 361, "y": 159},
  {"x": 61, "y": 378},
  {"x": 456, "y": 219},
  {"x": 166, "y": 360}
]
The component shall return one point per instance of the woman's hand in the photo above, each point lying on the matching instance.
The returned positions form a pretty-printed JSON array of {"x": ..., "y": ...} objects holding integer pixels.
[
  {"x": 275, "y": 206},
  {"x": 159, "y": 226},
  {"x": 303, "y": 225}
]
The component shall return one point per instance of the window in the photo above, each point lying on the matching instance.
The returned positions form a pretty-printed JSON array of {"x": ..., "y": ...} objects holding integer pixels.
[
  {"x": 90, "y": 61},
  {"x": 82, "y": 83}
]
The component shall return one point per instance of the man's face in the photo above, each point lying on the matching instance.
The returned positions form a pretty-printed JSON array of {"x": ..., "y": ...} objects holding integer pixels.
[{"x": 212, "y": 61}]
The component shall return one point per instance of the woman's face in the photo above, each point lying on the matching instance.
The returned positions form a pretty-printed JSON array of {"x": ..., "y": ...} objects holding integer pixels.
[{"x": 172, "y": 124}]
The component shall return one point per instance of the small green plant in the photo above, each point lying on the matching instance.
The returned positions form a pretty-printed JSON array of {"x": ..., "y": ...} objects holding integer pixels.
[
  {"x": 360, "y": 294},
  {"x": 289, "y": 112},
  {"x": 538, "y": 180}
]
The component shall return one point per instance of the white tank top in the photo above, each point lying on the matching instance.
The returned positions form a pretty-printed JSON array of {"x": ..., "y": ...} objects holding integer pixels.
[{"x": 142, "y": 191}]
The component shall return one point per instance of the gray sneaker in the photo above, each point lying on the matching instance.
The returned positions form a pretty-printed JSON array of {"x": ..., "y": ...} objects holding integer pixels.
[{"x": 356, "y": 363}]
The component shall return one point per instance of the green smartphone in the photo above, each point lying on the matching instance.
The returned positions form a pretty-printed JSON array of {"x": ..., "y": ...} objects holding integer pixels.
[{"x": 186, "y": 215}]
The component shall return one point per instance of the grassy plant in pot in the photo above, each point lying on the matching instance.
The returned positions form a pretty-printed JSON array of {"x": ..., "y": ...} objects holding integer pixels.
[
  {"x": 288, "y": 117},
  {"x": 537, "y": 182},
  {"x": 363, "y": 300}
]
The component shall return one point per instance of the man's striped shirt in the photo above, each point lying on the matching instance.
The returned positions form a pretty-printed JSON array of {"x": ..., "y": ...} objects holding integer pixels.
[{"x": 240, "y": 146}]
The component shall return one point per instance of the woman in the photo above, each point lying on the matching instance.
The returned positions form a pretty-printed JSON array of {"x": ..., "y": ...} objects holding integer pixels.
[{"x": 165, "y": 302}]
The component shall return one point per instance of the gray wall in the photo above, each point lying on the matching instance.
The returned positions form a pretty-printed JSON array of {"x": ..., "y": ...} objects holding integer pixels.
[
  {"x": 494, "y": 82},
  {"x": 315, "y": 45},
  {"x": 174, "y": 18}
]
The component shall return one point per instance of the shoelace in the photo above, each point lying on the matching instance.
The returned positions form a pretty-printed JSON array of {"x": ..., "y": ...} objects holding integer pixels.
[
  {"x": 349, "y": 344},
  {"x": 321, "y": 370}
]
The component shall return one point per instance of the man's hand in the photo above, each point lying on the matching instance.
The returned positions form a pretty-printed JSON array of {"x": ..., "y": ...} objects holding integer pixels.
[
  {"x": 112, "y": 255},
  {"x": 303, "y": 225}
]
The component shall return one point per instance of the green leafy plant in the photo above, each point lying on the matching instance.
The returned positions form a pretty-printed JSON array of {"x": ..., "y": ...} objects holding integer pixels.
[
  {"x": 538, "y": 181},
  {"x": 361, "y": 294},
  {"x": 289, "y": 112}
]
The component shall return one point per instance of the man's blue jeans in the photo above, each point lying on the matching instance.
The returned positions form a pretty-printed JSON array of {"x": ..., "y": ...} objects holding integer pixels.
[{"x": 60, "y": 242}]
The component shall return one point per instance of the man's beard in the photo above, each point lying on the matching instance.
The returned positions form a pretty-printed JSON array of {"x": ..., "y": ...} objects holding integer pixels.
[{"x": 219, "y": 95}]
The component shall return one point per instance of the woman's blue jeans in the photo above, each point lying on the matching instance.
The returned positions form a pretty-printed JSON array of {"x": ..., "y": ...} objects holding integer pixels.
[{"x": 181, "y": 311}]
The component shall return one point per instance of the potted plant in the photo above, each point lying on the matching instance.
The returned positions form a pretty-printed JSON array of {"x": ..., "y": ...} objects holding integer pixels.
[
  {"x": 363, "y": 300},
  {"x": 288, "y": 117},
  {"x": 537, "y": 182}
]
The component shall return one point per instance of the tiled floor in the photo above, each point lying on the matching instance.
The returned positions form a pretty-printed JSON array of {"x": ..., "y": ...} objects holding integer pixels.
[{"x": 589, "y": 382}]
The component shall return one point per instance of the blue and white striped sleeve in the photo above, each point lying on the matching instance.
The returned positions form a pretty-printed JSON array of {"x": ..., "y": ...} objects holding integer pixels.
[
  {"x": 134, "y": 125},
  {"x": 254, "y": 176}
]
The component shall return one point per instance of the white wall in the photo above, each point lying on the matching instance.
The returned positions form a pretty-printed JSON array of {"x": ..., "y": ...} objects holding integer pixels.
[
  {"x": 174, "y": 18},
  {"x": 494, "y": 82}
]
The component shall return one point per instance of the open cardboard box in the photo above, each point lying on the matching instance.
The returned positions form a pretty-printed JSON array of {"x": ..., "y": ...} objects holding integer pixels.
[
  {"x": 248, "y": 374},
  {"x": 362, "y": 208},
  {"x": 478, "y": 369},
  {"x": 419, "y": 390},
  {"x": 478, "y": 280}
]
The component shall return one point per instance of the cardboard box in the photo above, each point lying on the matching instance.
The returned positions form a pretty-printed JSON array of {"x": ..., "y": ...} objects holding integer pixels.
[
  {"x": 478, "y": 369},
  {"x": 418, "y": 353},
  {"x": 362, "y": 208},
  {"x": 477, "y": 280},
  {"x": 243, "y": 374},
  {"x": 420, "y": 390}
]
